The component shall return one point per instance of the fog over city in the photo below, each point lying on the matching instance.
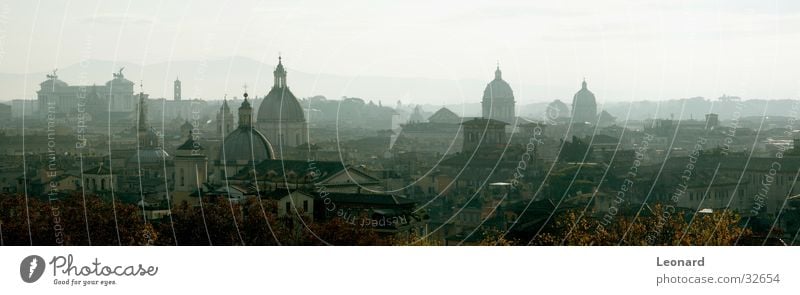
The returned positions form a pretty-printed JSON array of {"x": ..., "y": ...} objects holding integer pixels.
[
  {"x": 406, "y": 123},
  {"x": 418, "y": 52}
]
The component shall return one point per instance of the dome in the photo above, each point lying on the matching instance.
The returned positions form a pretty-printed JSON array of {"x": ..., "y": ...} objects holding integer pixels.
[
  {"x": 498, "y": 89},
  {"x": 498, "y": 99},
  {"x": 245, "y": 144},
  {"x": 557, "y": 109},
  {"x": 149, "y": 156},
  {"x": 280, "y": 105},
  {"x": 584, "y": 106}
]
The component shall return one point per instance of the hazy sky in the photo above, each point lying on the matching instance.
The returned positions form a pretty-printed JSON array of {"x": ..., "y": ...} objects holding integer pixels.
[{"x": 627, "y": 50}]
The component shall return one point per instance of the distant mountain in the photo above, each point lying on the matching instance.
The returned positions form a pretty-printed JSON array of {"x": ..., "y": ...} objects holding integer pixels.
[{"x": 213, "y": 79}]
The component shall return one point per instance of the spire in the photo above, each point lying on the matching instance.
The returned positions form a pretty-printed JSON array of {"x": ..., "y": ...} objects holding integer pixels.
[
  {"x": 583, "y": 85},
  {"x": 245, "y": 113},
  {"x": 280, "y": 74},
  {"x": 498, "y": 75},
  {"x": 224, "y": 104},
  {"x": 142, "y": 110}
]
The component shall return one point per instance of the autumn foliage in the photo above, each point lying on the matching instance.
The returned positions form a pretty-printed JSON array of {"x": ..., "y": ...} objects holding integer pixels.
[{"x": 75, "y": 220}]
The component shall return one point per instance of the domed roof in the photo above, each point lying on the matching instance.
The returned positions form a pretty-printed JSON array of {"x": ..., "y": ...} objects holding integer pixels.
[
  {"x": 190, "y": 144},
  {"x": 280, "y": 105},
  {"x": 584, "y": 94},
  {"x": 584, "y": 105},
  {"x": 245, "y": 144},
  {"x": 149, "y": 156},
  {"x": 557, "y": 109},
  {"x": 498, "y": 89}
]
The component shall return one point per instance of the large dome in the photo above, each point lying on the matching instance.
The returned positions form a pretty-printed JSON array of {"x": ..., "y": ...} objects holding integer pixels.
[
  {"x": 557, "y": 109},
  {"x": 149, "y": 156},
  {"x": 498, "y": 99},
  {"x": 584, "y": 106},
  {"x": 280, "y": 105},
  {"x": 497, "y": 90},
  {"x": 245, "y": 144}
]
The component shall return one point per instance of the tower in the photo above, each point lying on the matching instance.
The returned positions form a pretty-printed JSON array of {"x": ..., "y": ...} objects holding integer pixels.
[
  {"x": 191, "y": 165},
  {"x": 146, "y": 138},
  {"x": 176, "y": 89},
  {"x": 245, "y": 114},
  {"x": 498, "y": 99},
  {"x": 279, "y": 74},
  {"x": 712, "y": 121},
  {"x": 224, "y": 119}
]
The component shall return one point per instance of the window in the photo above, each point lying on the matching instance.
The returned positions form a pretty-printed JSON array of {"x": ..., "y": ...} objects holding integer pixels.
[
  {"x": 288, "y": 207},
  {"x": 305, "y": 206},
  {"x": 103, "y": 184},
  {"x": 183, "y": 182}
]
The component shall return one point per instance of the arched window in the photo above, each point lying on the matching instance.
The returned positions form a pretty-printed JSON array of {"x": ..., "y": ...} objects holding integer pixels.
[{"x": 103, "y": 184}]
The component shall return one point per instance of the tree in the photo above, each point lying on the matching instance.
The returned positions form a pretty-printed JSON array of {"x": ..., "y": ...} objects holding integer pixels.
[
  {"x": 718, "y": 228},
  {"x": 72, "y": 220}
]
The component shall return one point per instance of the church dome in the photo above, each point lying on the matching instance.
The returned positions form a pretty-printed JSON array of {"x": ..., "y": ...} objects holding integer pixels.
[
  {"x": 557, "y": 109},
  {"x": 498, "y": 89},
  {"x": 498, "y": 99},
  {"x": 584, "y": 106},
  {"x": 245, "y": 144},
  {"x": 280, "y": 105},
  {"x": 149, "y": 156}
]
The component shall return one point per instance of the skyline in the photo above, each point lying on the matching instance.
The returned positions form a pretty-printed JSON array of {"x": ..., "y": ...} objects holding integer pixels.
[{"x": 627, "y": 51}]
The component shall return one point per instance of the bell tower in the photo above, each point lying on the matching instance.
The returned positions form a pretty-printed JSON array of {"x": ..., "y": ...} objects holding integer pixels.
[{"x": 176, "y": 89}]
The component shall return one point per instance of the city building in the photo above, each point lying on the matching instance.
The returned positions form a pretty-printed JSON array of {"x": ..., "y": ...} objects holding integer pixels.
[
  {"x": 584, "y": 106},
  {"x": 498, "y": 100},
  {"x": 243, "y": 147},
  {"x": 280, "y": 116}
]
